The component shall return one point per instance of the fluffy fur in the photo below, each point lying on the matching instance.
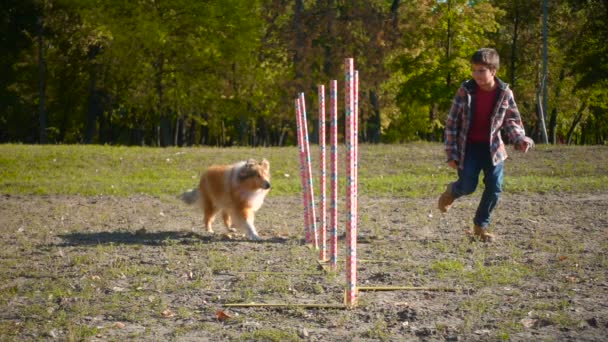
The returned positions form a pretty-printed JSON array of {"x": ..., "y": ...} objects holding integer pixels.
[{"x": 237, "y": 191}]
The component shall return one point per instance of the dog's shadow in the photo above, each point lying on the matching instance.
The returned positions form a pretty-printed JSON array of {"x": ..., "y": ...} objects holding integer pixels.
[{"x": 162, "y": 238}]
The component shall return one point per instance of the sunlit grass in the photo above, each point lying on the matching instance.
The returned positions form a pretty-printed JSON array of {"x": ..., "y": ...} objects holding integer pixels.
[{"x": 410, "y": 170}]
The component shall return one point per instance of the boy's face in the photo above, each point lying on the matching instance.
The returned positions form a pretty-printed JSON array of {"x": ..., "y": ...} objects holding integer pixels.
[{"x": 483, "y": 75}]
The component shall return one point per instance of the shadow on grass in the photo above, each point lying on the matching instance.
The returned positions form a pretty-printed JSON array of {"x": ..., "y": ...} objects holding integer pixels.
[{"x": 152, "y": 238}]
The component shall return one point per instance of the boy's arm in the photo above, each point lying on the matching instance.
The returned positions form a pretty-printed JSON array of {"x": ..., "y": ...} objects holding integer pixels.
[{"x": 514, "y": 127}]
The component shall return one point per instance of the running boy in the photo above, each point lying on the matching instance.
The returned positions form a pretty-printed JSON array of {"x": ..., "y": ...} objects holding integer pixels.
[{"x": 481, "y": 108}]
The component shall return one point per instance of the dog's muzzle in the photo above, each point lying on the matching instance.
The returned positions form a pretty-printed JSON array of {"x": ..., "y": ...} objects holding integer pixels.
[{"x": 266, "y": 185}]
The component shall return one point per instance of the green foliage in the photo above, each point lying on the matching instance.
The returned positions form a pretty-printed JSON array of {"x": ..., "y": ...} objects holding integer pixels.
[
  {"x": 225, "y": 73},
  {"x": 435, "y": 61}
]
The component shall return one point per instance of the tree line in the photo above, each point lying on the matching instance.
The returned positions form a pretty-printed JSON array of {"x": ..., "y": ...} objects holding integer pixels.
[{"x": 225, "y": 72}]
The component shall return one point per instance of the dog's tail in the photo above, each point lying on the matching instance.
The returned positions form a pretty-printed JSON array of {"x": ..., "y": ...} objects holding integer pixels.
[{"x": 190, "y": 196}]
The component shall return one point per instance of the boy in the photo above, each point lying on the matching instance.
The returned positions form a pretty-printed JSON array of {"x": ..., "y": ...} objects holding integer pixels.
[{"x": 481, "y": 108}]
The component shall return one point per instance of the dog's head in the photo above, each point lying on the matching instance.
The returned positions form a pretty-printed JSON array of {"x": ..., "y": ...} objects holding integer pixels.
[{"x": 256, "y": 175}]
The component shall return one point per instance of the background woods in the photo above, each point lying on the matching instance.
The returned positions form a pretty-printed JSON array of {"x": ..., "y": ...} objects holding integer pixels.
[{"x": 180, "y": 72}]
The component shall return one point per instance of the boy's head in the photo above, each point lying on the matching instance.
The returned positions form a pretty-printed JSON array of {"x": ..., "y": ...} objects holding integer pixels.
[{"x": 487, "y": 57}]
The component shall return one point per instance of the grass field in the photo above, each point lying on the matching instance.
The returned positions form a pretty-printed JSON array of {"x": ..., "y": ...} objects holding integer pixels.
[
  {"x": 96, "y": 247},
  {"x": 412, "y": 170}
]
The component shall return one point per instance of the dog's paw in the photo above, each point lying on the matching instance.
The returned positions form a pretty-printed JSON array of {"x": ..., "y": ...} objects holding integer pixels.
[{"x": 255, "y": 237}]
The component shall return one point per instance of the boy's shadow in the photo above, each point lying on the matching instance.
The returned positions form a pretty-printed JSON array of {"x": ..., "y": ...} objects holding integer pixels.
[{"x": 143, "y": 237}]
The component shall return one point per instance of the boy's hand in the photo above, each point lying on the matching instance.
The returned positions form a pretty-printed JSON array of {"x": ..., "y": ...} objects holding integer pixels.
[
  {"x": 453, "y": 164},
  {"x": 524, "y": 145}
]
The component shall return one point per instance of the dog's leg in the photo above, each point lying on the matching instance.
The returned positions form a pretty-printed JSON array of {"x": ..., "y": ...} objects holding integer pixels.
[
  {"x": 227, "y": 221},
  {"x": 209, "y": 214},
  {"x": 244, "y": 221}
]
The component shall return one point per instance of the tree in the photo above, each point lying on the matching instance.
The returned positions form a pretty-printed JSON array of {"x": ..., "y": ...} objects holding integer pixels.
[{"x": 438, "y": 40}]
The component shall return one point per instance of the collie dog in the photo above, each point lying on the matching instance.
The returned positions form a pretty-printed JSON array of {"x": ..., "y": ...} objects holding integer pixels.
[{"x": 237, "y": 191}]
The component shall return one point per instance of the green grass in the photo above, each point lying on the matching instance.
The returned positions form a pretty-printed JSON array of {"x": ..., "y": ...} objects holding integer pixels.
[{"x": 411, "y": 170}]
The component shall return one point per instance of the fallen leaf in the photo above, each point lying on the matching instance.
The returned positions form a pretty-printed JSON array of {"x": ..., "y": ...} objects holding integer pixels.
[
  {"x": 168, "y": 313},
  {"x": 119, "y": 325},
  {"x": 221, "y": 315},
  {"x": 528, "y": 322},
  {"x": 572, "y": 279},
  {"x": 562, "y": 257}
]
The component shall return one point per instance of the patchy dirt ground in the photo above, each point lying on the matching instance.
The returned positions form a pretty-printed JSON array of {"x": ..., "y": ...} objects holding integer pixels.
[{"x": 140, "y": 268}]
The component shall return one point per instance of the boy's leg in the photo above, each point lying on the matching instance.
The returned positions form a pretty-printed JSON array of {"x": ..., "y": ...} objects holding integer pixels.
[
  {"x": 468, "y": 177},
  {"x": 493, "y": 177}
]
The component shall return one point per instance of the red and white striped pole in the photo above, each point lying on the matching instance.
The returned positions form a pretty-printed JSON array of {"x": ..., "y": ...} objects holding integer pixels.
[
  {"x": 333, "y": 141},
  {"x": 356, "y": 141},
  {"x": 323, "y": 177},
  {"x": 312, "y": 218},
  {"x": 302, "y": 153},
  {"x": 351, "y": 187}
]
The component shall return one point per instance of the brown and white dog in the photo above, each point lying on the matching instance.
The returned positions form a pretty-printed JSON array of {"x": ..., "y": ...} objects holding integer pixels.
[{"x": 237, "y": 191}]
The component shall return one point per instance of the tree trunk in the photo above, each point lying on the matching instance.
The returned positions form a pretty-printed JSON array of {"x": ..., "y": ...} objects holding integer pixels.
[
  {"x": 42, "y": 114},
  {"x": 575, "y": 122},
  {"x": 223, "y": 136},
  {"x": 375, "y": 122},
  {"x": 191, "y": 132},
  {"x": 300, "y": 40},
  {"x": 448, "y": 53},
  {"x": 328, "y": 65},
  {"x": 94, "y": 104},
  {"x": 514, "y": 42},
  {"x": 540, "y": 111},
  {"x": 553, "y": 118},
  {"x": 163, "y": 130},
  {"x": 205, "y": 137},
  {"x": 284, "y": 130},
  {"x": 434, "y": 135},
  {"x": 545, "y": 97},
  {"x": 395, "y": 14},
  {"x": 180, "y": 131}
]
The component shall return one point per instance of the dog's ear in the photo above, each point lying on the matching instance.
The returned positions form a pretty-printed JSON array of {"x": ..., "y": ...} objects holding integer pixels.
[
  {"x": 265, "y": 164},
  {"x": 249, "y": 169},
  {"x": 250, "y": 163}
]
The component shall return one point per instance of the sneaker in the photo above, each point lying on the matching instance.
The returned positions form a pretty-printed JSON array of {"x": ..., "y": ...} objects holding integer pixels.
[{"x": 446, "y": 199}]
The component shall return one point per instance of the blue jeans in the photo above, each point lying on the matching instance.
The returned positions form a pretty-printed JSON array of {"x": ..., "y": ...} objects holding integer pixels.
[{"x": 477, "y": 158}]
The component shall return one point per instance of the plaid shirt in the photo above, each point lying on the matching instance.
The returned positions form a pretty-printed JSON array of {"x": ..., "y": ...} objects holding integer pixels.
[{"x": 505, "y": 116}]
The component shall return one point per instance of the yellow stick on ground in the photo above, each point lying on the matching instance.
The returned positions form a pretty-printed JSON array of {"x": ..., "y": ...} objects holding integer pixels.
[
  {"x": 404, "y": 288},
  {"x": 273, "y": 305},
  {"x": 271, "y": 272},
  {"x": 364, "y": 261}
]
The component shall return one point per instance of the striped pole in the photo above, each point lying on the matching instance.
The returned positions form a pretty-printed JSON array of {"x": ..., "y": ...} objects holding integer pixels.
[
  {"x": 312, "y": 219},
  {"x": 356, "y": 141},
  {"x": 323, "y": 177},
  {"x": 302, "y": 153},
  {"x": 333, "y": 137},
  {"x": 351, "y": 187}
]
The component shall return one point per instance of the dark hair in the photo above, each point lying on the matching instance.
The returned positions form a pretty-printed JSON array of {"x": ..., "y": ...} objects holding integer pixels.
[{"x": 486, "y": 56}]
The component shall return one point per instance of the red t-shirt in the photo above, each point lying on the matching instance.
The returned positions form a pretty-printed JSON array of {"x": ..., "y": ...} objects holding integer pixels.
[{"x": 484, "y": 105}]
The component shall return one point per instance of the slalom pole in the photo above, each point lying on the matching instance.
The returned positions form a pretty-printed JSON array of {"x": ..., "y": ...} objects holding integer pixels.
[
  {"x": 356, "y": 137},
  {"x": 351, "y": 187},
  {"x": 333, "y": 137},
  {"x": 323, "y": 177},
  {"x": 302, "y": 153},
  {"x": 310, "y": 190}
]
